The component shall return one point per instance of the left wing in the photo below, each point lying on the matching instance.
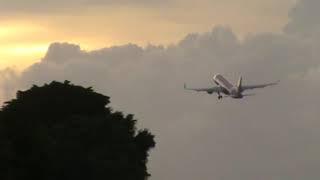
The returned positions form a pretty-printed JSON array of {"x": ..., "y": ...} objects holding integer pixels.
[
  {"x": 243, "y": 88},
  {"x": 210, "y": 90}
]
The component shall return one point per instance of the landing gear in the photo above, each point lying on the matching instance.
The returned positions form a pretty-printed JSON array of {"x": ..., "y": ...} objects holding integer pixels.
[{"x": 219, "y": 95}]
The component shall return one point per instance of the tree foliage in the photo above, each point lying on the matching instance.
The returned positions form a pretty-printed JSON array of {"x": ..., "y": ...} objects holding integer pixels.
[{"x": 62, "y": 131}]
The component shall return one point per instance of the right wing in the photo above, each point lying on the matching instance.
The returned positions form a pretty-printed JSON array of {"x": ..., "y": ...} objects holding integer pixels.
[
  {"x": 210, "y": 90},
  {"x": 258, "y": 86}
]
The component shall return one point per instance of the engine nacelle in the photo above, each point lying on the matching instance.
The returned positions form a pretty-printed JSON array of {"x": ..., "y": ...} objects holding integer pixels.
[{"x": 209, "y": 92}]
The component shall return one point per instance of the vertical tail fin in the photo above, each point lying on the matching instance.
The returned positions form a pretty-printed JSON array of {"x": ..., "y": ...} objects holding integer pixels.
[{"x": 239, "y": 85}]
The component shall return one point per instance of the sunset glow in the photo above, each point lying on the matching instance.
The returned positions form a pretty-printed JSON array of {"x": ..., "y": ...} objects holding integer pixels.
[{"x": 25, "y": 36}]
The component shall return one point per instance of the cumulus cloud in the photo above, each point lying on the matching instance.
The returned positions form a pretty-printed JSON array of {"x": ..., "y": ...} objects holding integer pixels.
[{"x": 273, "y": 135}]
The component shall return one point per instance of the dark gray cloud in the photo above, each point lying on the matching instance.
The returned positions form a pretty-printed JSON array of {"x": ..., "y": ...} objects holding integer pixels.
[{"x": 273, "y": 135}]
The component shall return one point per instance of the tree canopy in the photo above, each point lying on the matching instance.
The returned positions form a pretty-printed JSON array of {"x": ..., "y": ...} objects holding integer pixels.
[{"x": 63, "y": 131}]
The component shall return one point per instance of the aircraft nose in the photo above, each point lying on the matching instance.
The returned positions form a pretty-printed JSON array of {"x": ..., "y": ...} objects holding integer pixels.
[{"x": 214, "y": 77}]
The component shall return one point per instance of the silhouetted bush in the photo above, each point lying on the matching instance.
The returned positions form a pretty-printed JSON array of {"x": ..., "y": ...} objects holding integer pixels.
[{"x": 62, "y": 131}]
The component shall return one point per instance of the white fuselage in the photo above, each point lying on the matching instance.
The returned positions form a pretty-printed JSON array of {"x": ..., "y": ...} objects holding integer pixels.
[{"x": 227, "y": 87}]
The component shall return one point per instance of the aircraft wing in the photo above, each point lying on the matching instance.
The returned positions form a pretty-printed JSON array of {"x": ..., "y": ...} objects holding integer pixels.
[
  {"x": 258, "y": 86},
  {"x": 209, "y": 90}
]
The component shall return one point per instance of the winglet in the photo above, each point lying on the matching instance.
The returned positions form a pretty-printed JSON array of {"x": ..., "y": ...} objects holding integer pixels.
[{"x": 239, "y": 84}]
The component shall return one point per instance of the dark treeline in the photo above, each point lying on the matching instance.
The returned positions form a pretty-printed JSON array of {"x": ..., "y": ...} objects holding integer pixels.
[{"x": 62, "y": 131}]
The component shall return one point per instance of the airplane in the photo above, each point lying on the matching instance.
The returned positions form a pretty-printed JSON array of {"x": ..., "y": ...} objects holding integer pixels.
[{"x": 225, "y": 87}]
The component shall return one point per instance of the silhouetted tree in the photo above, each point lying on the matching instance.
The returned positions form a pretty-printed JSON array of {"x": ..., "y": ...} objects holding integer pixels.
[{"x": 62, "y": 131}]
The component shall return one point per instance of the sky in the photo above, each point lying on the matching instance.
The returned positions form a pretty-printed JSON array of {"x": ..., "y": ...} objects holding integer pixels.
[
  {"x": 140, "y": 53},
  {"x": 27, "y": 28}
]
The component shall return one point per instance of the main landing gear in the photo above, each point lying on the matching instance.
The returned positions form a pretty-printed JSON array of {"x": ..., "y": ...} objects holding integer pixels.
[{"x": 219, "y": 95}]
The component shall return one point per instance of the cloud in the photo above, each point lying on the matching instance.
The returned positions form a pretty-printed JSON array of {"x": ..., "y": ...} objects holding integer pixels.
[
  {"x": 273, "y": 135},
  {"x": 304, "y": 18},
  {"x": 8, "y": 83}
]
